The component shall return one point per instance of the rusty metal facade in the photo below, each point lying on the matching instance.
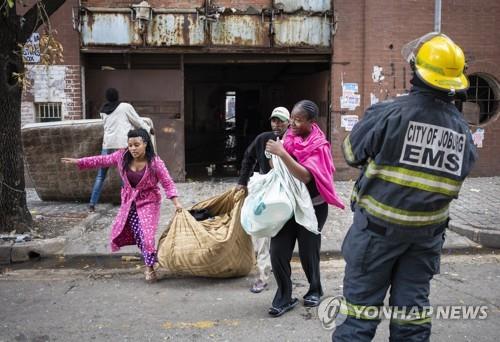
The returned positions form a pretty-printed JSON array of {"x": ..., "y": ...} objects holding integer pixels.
[
  {"x": 284, "y": 24},
  {"x": 305, "y": 5},
  {"x": 108, "y": 28},
  {"x": 176, "y": 30}
]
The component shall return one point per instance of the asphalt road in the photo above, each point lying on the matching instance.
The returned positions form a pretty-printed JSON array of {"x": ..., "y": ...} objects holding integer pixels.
[{"x": 110, "y": 302}]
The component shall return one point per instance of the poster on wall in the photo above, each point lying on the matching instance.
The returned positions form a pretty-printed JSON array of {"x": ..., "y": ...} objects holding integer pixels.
[
  {"x": 350, "y": 101},
  {"x": 349, "y": 88},
  {"x": 373, "y": 99},
  {"x": 478, "y": 137},
  {"x": 31, "y": 49},
  {"x": 348, "y": 121},
  {"x": 350, "y": 98}
]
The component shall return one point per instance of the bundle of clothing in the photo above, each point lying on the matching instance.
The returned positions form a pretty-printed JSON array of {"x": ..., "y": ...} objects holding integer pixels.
[{"x": 210, "y": 242}]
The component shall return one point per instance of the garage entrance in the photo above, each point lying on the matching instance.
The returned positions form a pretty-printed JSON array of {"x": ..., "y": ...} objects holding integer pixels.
[
  {"x": 207, "y": 109},
  {"x": 152, "y": 83},
  {"x": 228, "y": 104}
]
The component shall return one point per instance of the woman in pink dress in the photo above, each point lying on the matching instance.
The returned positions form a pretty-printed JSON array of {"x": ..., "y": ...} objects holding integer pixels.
[{"x": 141, "y": 170}]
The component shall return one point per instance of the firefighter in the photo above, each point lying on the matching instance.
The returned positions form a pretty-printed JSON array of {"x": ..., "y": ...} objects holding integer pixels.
[{"x": 414, "y": 152}]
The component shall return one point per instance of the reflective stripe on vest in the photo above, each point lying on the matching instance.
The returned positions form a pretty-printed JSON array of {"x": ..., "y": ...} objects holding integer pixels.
[
  {"x": 414, "y": 179},
  {"x": 412, "y": 321},
  {"x": 371, "y": 312},
  {"x": 346, "y": 146},
  {"x": 400, "y": 216},
  {"x": 360, "y": 311}
]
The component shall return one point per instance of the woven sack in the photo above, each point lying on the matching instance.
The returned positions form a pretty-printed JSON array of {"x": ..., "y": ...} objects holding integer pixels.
[{"x": 217, "y": 247}]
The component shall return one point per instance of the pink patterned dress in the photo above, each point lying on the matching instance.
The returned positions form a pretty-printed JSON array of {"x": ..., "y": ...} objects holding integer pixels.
[{"x": 145, "y": 198}]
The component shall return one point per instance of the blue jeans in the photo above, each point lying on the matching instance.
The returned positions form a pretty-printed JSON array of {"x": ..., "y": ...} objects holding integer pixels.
[{"x": 99, "y": 180}]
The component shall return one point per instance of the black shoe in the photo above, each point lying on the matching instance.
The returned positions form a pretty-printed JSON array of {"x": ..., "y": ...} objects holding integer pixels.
[
  {"x": 311, "y": 301},
  {"x": 276, "y": 312},
  {"x": 91, "y": 208}
]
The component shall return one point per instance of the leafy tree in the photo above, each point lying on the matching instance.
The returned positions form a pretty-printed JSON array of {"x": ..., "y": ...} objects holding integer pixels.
[{"x": 15, "y": 30}]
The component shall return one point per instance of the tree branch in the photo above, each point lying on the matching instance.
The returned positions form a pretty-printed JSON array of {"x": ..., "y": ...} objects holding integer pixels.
[{"x": 32, "y": 19}]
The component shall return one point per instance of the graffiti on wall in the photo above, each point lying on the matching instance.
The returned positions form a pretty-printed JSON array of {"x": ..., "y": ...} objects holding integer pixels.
[
  {"x": 378, "y": 74},
  {"x": 31, "y": 49}
]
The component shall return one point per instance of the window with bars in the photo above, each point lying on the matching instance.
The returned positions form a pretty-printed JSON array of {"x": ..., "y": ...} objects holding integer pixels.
[
  {"x": 48, "y": 111},
  {"x": 485, "y": 93}
]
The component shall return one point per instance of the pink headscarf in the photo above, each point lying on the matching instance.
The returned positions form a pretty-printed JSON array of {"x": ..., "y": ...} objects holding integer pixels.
[{"x": 315, "y": 155}]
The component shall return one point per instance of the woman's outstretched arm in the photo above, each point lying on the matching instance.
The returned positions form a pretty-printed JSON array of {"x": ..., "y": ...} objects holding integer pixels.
[{"x": 95, "y": 161}]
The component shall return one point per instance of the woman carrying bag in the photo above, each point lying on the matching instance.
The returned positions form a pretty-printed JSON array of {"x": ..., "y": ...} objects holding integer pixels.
[{"x": 307, "y": 155}]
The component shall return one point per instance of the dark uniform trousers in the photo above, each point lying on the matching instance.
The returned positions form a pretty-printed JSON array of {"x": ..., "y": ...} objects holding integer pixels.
[
  {"x": 282, "y": 246},
  {"x": 374, "y": 263}
]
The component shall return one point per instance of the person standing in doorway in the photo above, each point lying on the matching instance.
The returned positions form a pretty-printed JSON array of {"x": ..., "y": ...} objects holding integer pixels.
[
  {"x": 308, "y": 156},
  {"x": 256, "y": 154},
  {"x": 119, "y": 118},
  {"x": 415, "y": 151},
  {"x": 141, "y": 170}
]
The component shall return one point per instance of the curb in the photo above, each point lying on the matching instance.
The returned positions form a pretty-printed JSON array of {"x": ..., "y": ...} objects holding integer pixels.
[
  {"x": 28, "y": 254},
  {"x": 11, "y": 252},
  {"x": 5, "y": 250},
  {"x": 24, "y": 251},
  {"x": 489, "y": 238}
]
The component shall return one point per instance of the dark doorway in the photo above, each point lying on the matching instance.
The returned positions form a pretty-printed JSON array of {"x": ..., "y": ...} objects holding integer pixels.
[
  {"x": 217, "y": 136},
  {"x": 153, "y": 84}
]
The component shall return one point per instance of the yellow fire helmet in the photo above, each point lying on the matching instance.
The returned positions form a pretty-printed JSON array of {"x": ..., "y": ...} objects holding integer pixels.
[{"x": 439, "y": 62}]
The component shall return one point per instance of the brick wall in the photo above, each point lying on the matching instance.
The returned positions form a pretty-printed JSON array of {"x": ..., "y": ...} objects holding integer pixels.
[
  {"x": 73, "y": 93},
  {"x": 347, "y": 66},
  {"x": 62, "y": 20},
  {"x": 54, "y": 83},
  {"x": 371, "y": 34},
  {"x": 475, "y": 27},
  {"x": 27, "y": 112},
  {"x": 57, "y": 83}
]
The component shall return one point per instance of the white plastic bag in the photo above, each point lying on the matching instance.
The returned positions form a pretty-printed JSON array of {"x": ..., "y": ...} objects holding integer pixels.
[
  {"x": 273, "y": 199},
  {"x": 299, "y": 197},
  {"x": 267, "y": 207}
]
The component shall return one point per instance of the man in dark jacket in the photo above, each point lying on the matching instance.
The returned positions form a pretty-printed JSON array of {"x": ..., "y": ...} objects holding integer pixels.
[
  {"x": 256, "y": 153},
  {"x": 414, "y": 152}
]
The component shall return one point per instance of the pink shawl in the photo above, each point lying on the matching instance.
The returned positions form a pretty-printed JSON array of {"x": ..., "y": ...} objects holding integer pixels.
[{"x": 315, "y": 155}]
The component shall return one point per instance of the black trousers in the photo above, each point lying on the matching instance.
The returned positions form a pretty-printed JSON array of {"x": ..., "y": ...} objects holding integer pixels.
[
  {"x": 376, "y": 264},
  {"x": 282, "y": 246}
]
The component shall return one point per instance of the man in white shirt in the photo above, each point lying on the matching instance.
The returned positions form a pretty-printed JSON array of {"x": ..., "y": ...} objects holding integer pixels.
[
  {"x": 256, "y": 154},
  {"x": 119, "y": 118}
]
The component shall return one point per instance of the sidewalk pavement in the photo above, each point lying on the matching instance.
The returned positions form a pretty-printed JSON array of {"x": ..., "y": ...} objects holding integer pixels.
[{"x": 66, "y": 228}]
